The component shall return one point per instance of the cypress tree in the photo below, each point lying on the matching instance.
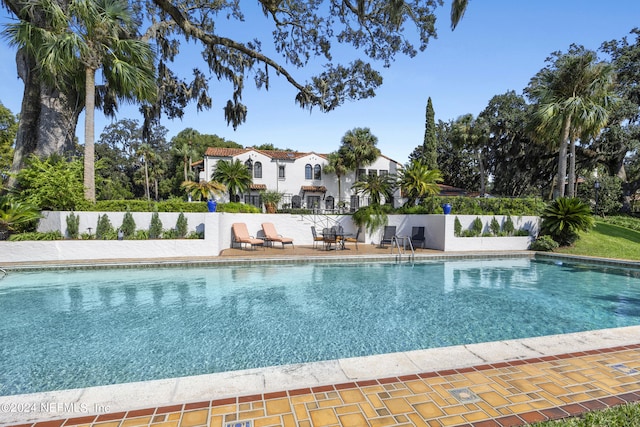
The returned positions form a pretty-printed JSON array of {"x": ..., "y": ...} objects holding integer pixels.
[{"x": 430, "y": 144}]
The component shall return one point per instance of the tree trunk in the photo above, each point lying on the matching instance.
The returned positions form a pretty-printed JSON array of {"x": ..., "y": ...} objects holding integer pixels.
[
  {"x": 89, "y": 148},
  {"x": 48, "y": 118},
  {"x": 146, "y": 179},
  {"x": 155, "y": 188},
  {"x": 571, "y": 178},
  {"x": 562, "y": 159},
  {"x": 482, "y": 173}
]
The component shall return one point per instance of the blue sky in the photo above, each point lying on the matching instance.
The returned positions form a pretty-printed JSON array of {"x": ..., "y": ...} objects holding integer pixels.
[{"x": 498, "y": 46}]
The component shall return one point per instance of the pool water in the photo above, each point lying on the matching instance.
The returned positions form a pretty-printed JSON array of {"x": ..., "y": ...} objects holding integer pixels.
[{"x": 80, "y": 328}]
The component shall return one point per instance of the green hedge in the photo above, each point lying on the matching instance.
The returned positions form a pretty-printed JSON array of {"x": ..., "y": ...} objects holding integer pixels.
[
  {"x": 145, "y": 206},
  {"x": 167, "y": 206},
  {"x": 431, "y": 205},
  {"x": 478, "y": 206},
  {"x": 629, "y": 222}
]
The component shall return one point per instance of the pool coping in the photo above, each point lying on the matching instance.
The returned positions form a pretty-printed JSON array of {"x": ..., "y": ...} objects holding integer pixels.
[
  {"x": 196, "y": 262},
  {"x": 126, "y": 397}
]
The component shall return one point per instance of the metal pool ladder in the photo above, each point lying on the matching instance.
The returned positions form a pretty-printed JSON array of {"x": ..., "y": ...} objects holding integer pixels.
[
  {"x": 400, "y": 243},
  {"x": 4, "y": 273}
]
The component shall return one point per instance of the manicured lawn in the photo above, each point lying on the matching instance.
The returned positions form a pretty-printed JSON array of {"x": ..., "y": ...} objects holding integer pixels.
[
  {"x": 608, "y": 241},
  {"x": 619, "y": 416}
]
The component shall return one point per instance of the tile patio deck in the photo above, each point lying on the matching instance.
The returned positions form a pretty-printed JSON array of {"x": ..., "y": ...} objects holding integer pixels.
[
  {"x": 507, "y": 392},
  {"x": 498, "y": 394}
]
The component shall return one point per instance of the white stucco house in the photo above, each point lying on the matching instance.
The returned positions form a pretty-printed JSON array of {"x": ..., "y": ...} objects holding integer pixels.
[{"x": 300, "y": 177}]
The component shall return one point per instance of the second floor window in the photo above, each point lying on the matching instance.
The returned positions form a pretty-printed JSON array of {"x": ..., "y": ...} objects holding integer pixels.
[
  {"x": 317, "y": 172},
  {"x": 257, "y": 170},
  {"x": 307, "y": 172},
  {"x": 281, "y": 172},
  {"x": 362, "y": 173}
]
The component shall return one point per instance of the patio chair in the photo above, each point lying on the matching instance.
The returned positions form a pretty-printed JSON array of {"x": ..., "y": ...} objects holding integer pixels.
[
  {"x": 417, "y": 236},
  {"x": 316, "y": 238},
  {"x": 353, "y": 239},
  {"x": 339, "y": 232},
  {"x": 271, "y": 235},
  {"x": 241, "y": 236},
  {"x": 388, "y": 235},
  {"x": 329, "y": 237}
]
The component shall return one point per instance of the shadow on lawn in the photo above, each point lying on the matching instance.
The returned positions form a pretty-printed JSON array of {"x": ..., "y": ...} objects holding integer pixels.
[{"x": 618, "y": 232}]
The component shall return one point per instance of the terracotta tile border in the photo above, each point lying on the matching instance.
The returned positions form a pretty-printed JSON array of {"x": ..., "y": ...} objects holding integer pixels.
[{"x": 568, "y": 410}]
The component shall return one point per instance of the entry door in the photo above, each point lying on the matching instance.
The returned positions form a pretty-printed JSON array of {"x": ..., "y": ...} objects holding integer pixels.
[{"x": 313, "y": 202}]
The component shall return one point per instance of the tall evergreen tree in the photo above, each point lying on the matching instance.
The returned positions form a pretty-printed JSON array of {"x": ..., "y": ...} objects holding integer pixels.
[
  {"x": 427, "y": 153},
  {"x": 430, "y": 144}
]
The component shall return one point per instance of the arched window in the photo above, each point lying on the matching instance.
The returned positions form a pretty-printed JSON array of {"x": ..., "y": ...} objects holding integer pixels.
[
  {"x": 317, "y": 174},
  {"x": 296, "y": 202},
  {"x": 307, "y": 172},
  {"x": 257, "y": 170}
]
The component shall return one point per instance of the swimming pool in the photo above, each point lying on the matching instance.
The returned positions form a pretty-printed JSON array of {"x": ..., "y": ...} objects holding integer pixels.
[{"x": 80, "y": 328}]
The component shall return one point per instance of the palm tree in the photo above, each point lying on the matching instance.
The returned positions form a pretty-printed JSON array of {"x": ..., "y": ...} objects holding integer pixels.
[
  {"x": 574, "y": 97},
  {"x": 203, "y": 189},
  {"x": 90, "y": 35},
  {"x": 186, "y": 153},
  {"x": 564, "y": 217},
  {"x": 418, "y": 181},
  {"x": 147, "y": 154},
  {"x": 359, "y": 148},
  {"x": 337, "y": 166},
  {"x": 234, "y": 175},
  {"x": 14, "y": 213},
  {"x": 376, "y": 186},
  {"x": 471, "y": 134}
]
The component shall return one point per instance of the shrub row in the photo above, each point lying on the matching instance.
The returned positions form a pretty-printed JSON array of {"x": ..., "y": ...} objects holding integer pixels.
[
  {"x": 478, "y": 206},
  {"x": 106, "y": 231},
  {"x": 476, "y": 229},
  {"x": 173, "y": 205},
  {"x": 431, "y": 205}
]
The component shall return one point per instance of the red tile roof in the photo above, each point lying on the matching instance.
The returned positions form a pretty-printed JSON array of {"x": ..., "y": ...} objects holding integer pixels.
[
  {"x": 224, "y": 152},
  {"x": 273, "y": 154},
  {"x": 314, "y": 188},
  {"x": 447, "y": 190}
]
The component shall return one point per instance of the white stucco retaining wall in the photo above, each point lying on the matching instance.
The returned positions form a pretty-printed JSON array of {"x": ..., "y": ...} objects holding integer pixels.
[
  {"x": 217, "y": 235},
  {"x": 453, "y": 243}
]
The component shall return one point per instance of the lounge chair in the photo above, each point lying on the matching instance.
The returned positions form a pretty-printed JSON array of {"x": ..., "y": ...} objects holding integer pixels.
[
  {"x": 316, "y": 238},
  {"x": 271, "y": 235},
  {"x": 353, "y": 239},
  {"x": 388, "y": 235},
  {"x": 241, "y": 235},
  {"x": 417, "y": 236}
]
